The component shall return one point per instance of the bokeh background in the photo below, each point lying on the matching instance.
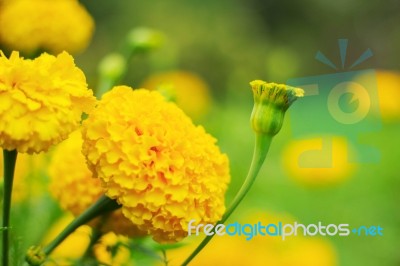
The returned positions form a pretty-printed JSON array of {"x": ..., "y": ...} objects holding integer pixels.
[{"x": 210, "y": 53}]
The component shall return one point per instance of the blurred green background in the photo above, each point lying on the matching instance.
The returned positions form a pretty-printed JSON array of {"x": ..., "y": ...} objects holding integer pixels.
[{"x": 227, "y": 44}]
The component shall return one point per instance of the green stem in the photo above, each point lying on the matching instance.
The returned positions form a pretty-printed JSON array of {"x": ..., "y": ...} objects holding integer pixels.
[
  {"x": 260, "y": 152},
  {"x": 10, "y": 157},
  {"x": 106, "y": 83},
  {"x": 102, "y": 205}
]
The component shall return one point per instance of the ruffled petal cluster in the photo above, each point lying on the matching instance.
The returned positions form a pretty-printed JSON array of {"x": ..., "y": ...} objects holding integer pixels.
[
  {"x": 73, "y": 185},
  {"x": 45, "y": 25},
  {"x": 41, "y": 101},
  {"x": 162, "y": 169}
]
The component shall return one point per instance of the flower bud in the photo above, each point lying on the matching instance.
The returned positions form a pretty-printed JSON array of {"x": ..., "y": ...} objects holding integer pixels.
[
  {"x": 144, "y": 39},
  {"x": 112, "y": 66},
  {"x": 35, "y": 256},
  {"x": 271, "y": 100}
]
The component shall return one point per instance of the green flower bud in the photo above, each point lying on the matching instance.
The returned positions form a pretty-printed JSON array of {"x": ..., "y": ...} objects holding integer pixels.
[
  {"x": 35, "y": 256},
  {"x": 271, "y": 100},
  {"x": 112, "y": 66},
  {"x": 144, "y": 39}
]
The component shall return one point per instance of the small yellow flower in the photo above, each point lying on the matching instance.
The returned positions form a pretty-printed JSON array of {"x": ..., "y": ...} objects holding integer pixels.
[
  {"x": 41, "y": 101},
  {"x": 54, "y": 26},
  {"x": 113, "y": 250},
  {"x": 388, "y": 83},
  {"x": 318, "y": 162},
  {"x": 162, "y": 169},
  {"x": 191, "y": 92},
  {"x": 76, "y": 189}
]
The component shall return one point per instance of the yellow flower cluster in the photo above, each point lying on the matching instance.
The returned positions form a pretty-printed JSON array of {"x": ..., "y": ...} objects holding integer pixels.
[
  {"x": 76, "y": 189},
  {"x": 42, "y": 101},
  {"x": 152, "y": 159},
  {"x": 73, "y": 187},
  {"x": 56, "y": 25}
]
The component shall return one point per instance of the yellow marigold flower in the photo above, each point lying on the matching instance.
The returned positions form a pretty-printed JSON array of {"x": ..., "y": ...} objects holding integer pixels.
[
  {"x": 162, "y": 169},
  {"x": 76, "y": 189},
  {"x": 41, "y": 101},
  {"x": 28, "y": 176},
  {"x": 57, "y": 25},
  {"x": 113, "y": 250},
  {"x": 191, "y": 92},
  {"x": 319, "y": 162}
]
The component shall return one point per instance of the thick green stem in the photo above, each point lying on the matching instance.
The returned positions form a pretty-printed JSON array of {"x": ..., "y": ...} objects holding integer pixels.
[
  {"x": 10, "y": 157},
  {"x": 102, "y": 205},
  {"x": 260, "y": 152}
]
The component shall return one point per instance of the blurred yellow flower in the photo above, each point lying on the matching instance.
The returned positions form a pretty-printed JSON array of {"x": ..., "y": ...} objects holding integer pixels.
[
  {"x": 110, "y": 249},
  {"x": 260, "y": 250},
  {"x": 45, "y": 25},
  {"x": 388, "y": 83},
  {"x": 192, "y": 93},
  {"x": 41, "y": 101},
  {"x": 72, "y": 248},
  {"x": 76, "y": 189},
  {"x": 321, "y": 161},
  {"x": 162, "y": 169},
  {"x": 113, "y": 250},
  {"x": 29, "y": 181}
]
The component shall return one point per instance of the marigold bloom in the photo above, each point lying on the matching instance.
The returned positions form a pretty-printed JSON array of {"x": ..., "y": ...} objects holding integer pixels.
[
  {"x": 33, "y": 25},
  {"x": 76, "y": 189},
  {"x": 41, "y": 101},
  {"x": 162, "y": 169}
]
